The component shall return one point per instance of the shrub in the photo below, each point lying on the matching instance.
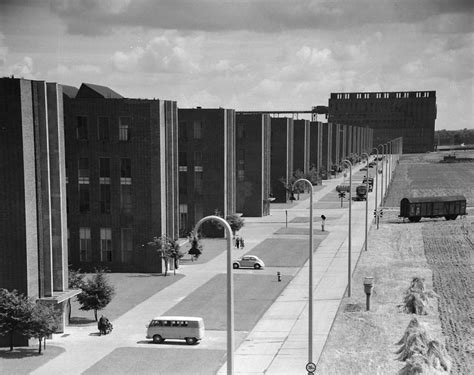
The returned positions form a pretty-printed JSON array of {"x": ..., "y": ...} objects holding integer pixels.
[{"x": 96, "y": 293}]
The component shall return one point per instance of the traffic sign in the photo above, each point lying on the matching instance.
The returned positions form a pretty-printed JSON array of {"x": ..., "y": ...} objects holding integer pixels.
[{"x": 310, "y": 367}]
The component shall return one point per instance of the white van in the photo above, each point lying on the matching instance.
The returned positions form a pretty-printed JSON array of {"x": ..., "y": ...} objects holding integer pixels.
[{"x": 187, "y": 328}]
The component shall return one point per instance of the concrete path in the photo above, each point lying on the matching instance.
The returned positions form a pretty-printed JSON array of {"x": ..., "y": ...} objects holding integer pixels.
[{"x": 279, "y": 342}]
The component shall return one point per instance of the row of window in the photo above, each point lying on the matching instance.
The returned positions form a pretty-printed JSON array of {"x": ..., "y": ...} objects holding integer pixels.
[
  {"x": 104, "y": 170},
  {"x": 106, "y": 251},
  {"x": 126, "y": 199},
  {"x": 103, "y": 128},
  {"x": 183, "y": 130},
  {"x": 384, "y": 95}
]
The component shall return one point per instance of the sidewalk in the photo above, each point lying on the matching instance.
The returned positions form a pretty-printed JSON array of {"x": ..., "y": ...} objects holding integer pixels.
[{"x": 279, "y": 342}]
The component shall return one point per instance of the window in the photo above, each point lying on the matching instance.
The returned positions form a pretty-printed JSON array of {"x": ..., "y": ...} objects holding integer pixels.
[
  {"x": 183, "y": 134},
  {"x": 182, "y": 158},
  {"x": 106, "y": 245},
  {"x": 183, "y": 182},
  {"x": 126, "y": 171},
  {"x": 84, "y": 244},
  {"x": 127, "y": 245},
  {"x": 240, "y": 131},
  {"x": 198, "y": 158},
  {"x": 84, "y": 198},
  {"x": 241, "y": 164},
  {"x": 103, "y": 129},
  {"x": 198, "y": 182},
  {"x": 124, "y": 128},
  {"x": 126, "y": 202},
  {"x": 82, "y": 128},
  {"x": 183, "y": 216},
  {"x": 105, "y": 198},
  {"x": 83, "y": 171},
  {"x": 104, "y": 170},
  {"x": 197, "y": 129}
]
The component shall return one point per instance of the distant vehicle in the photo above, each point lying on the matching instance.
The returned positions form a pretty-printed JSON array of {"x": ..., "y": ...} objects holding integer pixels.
[
  {"x": 415, "y": 208},
  {"x": 361, "y": 193},
  {"x": 343, "y": 188},
  {"x": 371, "y": 183},
  {"x": 188, "y": 328},
  {"x": 249, "y": 261}
]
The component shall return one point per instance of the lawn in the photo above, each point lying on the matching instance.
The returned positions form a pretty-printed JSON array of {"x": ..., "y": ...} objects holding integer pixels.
[{"x": 25, "y": 360}]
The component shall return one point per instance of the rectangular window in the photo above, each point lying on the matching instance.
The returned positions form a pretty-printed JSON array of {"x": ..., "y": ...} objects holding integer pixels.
[
  {"x": 85, "y": 244},
  {"x": 125, "y": 128},
  {"x": 103, "y": 129},
  {"x": 198, "y": 158},
  {"x": 127, "y": 244},
  {"x": 104, "y": 170},
  {"x": 126, "y": 171},
  {"x": 105, "y": 198},
  {"x": 183, "y": 182},
  {"x": 240, "y": 131},
  {"x": 126, "y": 198},
  {"x": 182, "y": 158},
  {"x": 183, "y": 134},
  {"x": 198, "y": 182},
  {"x": 84, "y": 198},
  {"x": 82, "y": 131},
  {"x": 183, "y": 216},
  {"x": 197, "y": 129},
  {"x": 106, "y": 245},
  {"x": 83, "y": 171}
]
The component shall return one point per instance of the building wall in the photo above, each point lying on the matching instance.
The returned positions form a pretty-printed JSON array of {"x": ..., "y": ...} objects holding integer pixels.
[
  {"x": 301, "y": 155},
  {"x": 326, "y": 158},
  {"x": 408, "y": 114},
  {"x": 151, "y": 152},
  {"x": 207, "y": 180},
  {"x": 282, "y": 132},
  {"x": 253, "y": 134},
  {"x": 315, "y": 153}
]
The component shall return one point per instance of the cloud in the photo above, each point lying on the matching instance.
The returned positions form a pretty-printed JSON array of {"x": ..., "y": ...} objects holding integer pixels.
[
  {"x": 166, "y": 53},
  {"x": 23, "y": 69},
  {"x": 3, "y": 51},
  {"x": 97, "y": 16}
]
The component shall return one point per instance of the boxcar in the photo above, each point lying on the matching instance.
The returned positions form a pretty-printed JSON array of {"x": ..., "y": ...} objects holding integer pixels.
[{"x": 415, "y": 208}]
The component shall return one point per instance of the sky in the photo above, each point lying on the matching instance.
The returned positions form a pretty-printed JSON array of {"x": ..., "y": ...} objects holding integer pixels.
[{"x": 248, "y": 54}]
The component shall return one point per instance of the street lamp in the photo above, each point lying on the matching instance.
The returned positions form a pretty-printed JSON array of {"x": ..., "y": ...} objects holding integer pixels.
[
  {"x": 366, "y": 197},
  {"x": 376, "y": 179},
  {"x": 382, "y": 184},
  {"x": 349, "y": 277},
  {"x": 310, "y": 286},
  {"x": 230, "y": 289}
]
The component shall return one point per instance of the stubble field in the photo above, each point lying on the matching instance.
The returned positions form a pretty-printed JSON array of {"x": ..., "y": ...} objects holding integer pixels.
[{"x": 437, "y": 250}]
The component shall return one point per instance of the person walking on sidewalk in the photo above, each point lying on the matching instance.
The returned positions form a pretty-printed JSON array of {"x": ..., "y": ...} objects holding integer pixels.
[
  {"x": 323, "y": 222},
  {"x": 237, "y": 242}
]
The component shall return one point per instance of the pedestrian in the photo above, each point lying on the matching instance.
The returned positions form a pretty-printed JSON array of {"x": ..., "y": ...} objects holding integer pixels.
[
  {"x": 237, "y": 242},
  {"x": 323, "y": 222},
  {"x": 242, "y": 242}
]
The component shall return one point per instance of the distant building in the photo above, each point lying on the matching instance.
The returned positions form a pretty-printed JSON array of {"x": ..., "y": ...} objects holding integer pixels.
[
  {"x": 407, "y": 114},
  {"x": 281, "y": 168},
  {"x": 302, "y": 145},
  {"x": 316, "y": 144},
  {"x": 253, "y": 164},
  {"x": 33, "y": 222},
  {"x": 207, "y": 178},
  {"x": 326, "y": 156},
  {"x": 122, "y": 170}
]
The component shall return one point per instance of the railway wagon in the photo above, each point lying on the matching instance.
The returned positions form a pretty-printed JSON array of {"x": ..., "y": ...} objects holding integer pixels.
[{"x": 415, "y": 208}]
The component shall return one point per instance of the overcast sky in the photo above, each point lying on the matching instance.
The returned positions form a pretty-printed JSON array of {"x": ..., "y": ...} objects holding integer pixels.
[{"x": 248, "y": 54}]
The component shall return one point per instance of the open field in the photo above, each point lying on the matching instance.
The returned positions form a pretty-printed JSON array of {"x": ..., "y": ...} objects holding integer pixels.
[{"x": 437, "y": 250}]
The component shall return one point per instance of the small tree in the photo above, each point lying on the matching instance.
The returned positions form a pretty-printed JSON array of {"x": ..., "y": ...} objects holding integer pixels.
[
  {"x": 168, "y": 250},
  {"x": 96, "y": 293},
  {"x": 15, "y": 312},
  {"x": 43, "y": 322},
  {"x": 235, "y": 222},
  {"x": 75, "y": 281}
]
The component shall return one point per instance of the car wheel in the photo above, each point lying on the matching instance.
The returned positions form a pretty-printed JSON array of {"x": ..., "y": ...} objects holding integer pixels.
[
  {"x": 157, "y": 339},
  {"x": 191, "y": 340},
  {"x": 257, "y": 266},
  {"x": 235, "y": 265}
]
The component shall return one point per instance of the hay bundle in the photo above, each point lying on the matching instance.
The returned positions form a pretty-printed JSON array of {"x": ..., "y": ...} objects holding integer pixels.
[
  {"x": 414, "y": 341},
  {"x": 416, "y": 300}
]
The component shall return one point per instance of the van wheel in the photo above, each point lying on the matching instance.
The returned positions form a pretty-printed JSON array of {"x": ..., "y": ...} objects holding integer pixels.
[
  {"x": 191, "y": 340},
  {"x": 235, "y": 266},
  {"x": 257, "y": 266},
  {"x": 157, "y": 339}
]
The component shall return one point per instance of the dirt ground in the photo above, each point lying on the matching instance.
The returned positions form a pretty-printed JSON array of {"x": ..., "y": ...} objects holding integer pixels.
[{"x": 437, "y": 250}]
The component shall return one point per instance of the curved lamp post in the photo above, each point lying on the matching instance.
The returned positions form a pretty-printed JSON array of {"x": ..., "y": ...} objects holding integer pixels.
[
  {"x": 310, "y": 286},
  {"x": 366, "y": 198},
  {"x": 349, "y": 277},
  {"x": 230, "y": 289},
  {"x": 382, "y": 181},
  {"x": 376, "y": 178}
]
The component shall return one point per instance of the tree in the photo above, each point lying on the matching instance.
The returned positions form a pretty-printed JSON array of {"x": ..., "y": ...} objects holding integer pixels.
[
  {"x": 96, "y": 293},
  {"x": 235, "y": 222},
  {"x": 15, "y": 313},
  {"x": 43, "y": 322},
  {"x": 75, "y": 281},
  {"x": 168, "y": 249}
]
